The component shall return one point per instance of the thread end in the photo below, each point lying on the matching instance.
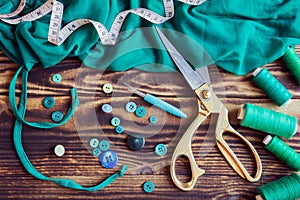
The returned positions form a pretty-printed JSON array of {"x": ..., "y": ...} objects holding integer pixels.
[
  {"x": 296, "y": 129},
  {"x": 241, "y": 113},
  {"x": 258, "y": 197},
  {"x": 288, "y": 102},
  {"x": 256, "y": 72},
  {"x": 267, "y": 140}
]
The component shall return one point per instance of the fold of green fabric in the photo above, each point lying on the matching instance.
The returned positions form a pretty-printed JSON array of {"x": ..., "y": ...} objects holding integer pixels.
[{"x": 239, "y": 36}]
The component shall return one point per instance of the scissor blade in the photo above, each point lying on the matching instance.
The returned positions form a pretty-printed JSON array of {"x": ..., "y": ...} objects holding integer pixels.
[
  {"x": 203, "y": 71},
  {"x": 194, "y": 79}
]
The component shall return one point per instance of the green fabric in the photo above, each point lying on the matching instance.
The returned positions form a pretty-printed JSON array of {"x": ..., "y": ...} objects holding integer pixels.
[{"x": 239, "y": 35}]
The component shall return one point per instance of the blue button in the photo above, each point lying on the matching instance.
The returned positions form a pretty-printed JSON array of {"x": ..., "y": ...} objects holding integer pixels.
[
  {"x": 153, "y": 119},
  {"x": 104, "y": 145},
  {"x": 140, "y": 111},
  {"x": 161, "y": 149},
  {"x": 48, "y": 102},
  {"x": 56, "y": 116},
  {"x": 56, "y": 78},
  {"x": 148, "y": 187},
  {"x": 107, "y": 108},
  {"x": 119, "y": 129},
  {"x": 94, "y": 142},
  {"x": 130, "y": 107},
  {"x": 115, "y": 121},
  {"x": 108, "y": 159},
  {"x": 96, "y": 152}
]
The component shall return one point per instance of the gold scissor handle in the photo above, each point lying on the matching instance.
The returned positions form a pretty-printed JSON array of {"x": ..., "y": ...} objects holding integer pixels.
[
  {"x": 224, "y": 126},
  {"x": 184, "y": 148}
]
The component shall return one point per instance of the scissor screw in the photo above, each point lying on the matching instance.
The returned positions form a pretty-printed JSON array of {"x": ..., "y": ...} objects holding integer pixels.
[{"x": 206, "y": 94}]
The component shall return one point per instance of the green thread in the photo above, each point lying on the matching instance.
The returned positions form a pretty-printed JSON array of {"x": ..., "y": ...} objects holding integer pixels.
[
  {"x": 284, "y": 152},
  {"x": 285, "y": 188},
  {"x": 269, "y": 121},
  {"x": 292, "y": 61},
  {"x": 272, "y": 87}
]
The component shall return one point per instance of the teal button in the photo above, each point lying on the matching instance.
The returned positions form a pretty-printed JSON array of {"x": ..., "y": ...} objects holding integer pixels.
[
  {"x": 140, "y": 111},
  {"x": 94, "y": 142},
  {"x": 104, "y": 145},
  {"x": 48, "y": 102},
  {"x": 161, "y": 149},
  {"x": 130, "y": 107},
  {"x": 115, "y": 121},
  {"x": 96, "y": 152},
  {"x": 56, "y": 116},
  {"x": 119, "y": 129},
  {"x": 153, "y": 119},
  {"x": 148, "y": 187},
  {"x": 56, "y": 78}
]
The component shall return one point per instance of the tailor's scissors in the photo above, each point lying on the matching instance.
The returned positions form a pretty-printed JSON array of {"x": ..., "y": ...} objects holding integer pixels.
[{"x": 208, "y": 103}]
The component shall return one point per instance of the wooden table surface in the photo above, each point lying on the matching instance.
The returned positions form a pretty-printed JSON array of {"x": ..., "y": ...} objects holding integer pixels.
[{"x": 219, "y": 181}]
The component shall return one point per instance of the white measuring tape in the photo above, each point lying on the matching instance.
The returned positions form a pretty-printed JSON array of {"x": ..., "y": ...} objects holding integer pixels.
[{"x": 58, "y": 36}]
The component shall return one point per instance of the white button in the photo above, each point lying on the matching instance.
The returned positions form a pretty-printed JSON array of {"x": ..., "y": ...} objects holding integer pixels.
[{"x": 59, "y": 150}]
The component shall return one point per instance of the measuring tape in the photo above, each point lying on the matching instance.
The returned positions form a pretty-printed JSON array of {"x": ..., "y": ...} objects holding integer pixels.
[{"x": 57, "y": 36}]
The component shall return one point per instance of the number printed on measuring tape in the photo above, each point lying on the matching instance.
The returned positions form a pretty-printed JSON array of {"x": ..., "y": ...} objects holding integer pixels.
[{"x": 57, "y": 36}]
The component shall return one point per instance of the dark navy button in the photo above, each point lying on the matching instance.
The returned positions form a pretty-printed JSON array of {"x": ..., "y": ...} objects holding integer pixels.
[
  {"x": 135, "y": 143},
  {"x": 56, "y": 116},
  {"x": 148, "y": 187},
  {"x": 119, "y": 129},
  {"x": 130, "y": 107},
  {"x": 140, "y": 111},
  {"x": 108, "y": 159},
  {"x": 48, "y": 102}
]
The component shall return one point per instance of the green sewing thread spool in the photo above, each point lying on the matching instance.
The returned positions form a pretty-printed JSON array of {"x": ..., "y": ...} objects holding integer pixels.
[
  {"x": 268, "y": 121},
  {"x": 285, "y": 188},
  {"x": 292, "y": 61},
  {"x": 283, "y": 151},
  {"x": 272, "y": 87}
]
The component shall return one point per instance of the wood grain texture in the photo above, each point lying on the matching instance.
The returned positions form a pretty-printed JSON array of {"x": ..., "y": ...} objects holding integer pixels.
[{"x": 219, "y": 181}]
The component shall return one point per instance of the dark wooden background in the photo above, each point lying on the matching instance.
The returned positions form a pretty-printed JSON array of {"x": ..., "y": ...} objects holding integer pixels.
[{"x": 219, "y": 181}]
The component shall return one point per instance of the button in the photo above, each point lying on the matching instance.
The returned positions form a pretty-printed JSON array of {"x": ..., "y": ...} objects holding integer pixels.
[
  {"x": 115, "y": 121},
  {"x": 135, "y": 143},
  {"x": 48, "y": 102},
  {"x": 130, "y": 107},
  {"x": 104, "y": 145},
  {"x": 161, "y": 149},
  {"x": 107, "y": 88},
  {"x": 119, "y": 129},
  {"x": 59, "y": 150},
  {"x": 96, "y": 152},
  {"x": 94, "y": 142},
  {"x": 108, "y": 159},
  {"x": 107, "y": 108},
  {"x": 148, "y": 187},
  {"x": 56, "y": 116},
  {"x": 140, "y": 111},
  {"x": 153, "y": 119},
  {"x": 56, "y": 78}
]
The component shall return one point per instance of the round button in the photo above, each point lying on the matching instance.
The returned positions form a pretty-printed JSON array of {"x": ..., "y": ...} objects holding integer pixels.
[
  {"x": 107, "y": 108},
  {"x": 119, "y": 129},
  {"x": 130, "y": 107},
  {"x": 148, "y": 187},
  {"x": 161, "y": 149},
  {"x": 153, "y": 119},
  {"x": 115, "y": 121},
  {"x": 135, "y": 143},
  {"x": 56, "y": 78},
  {"x": 48, "y": 102},
  {"x": 140, "y": 111},
  {"x": 104, "y": 145},
  {"x": 56, "y": 116},
  {"x": 94, "y": 142},
  {"x": 59, "y": 150},
  {"x": 96, "y": 152},
  {"x": 107, "y": 88},
  {"x": 108, "y": 159}
]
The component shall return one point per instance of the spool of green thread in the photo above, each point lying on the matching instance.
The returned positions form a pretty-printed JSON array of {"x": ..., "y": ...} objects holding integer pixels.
[
  {"x": 292, "y": 61},
  {"x": 283, "y": 151},
  {"x": 285, "y": 188},
  {"x": 272, "y": 87},
  {"x": 268, "y": 121}
]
